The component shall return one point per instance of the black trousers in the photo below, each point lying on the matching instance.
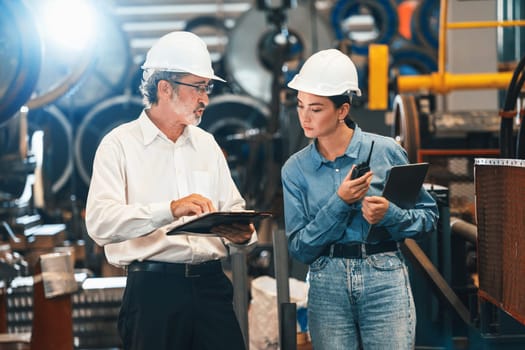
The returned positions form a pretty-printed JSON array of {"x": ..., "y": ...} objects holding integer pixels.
[{"x": 171, "y": 307}]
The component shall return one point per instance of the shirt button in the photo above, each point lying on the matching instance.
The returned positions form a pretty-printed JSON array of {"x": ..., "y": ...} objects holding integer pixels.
[{"x": 336, "y": 170}]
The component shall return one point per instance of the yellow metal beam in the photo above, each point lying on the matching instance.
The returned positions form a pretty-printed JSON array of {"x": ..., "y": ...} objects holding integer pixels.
[
  {"x": 441, "y": 81},
  {"x": 378, "y": 77},
  {"x": 442, "y": 38},
  {"x": 446, "y": 82},
  {"x": 484, "y": 24}
]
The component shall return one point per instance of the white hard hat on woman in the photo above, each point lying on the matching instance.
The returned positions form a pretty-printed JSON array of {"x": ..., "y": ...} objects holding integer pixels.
[{"x": 327, "y": 73}]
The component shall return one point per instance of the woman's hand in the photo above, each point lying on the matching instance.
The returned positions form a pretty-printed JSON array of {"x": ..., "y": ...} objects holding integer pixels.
[
  {"x": 354, "y": 190},
  {"x": 374, "y": 208}
]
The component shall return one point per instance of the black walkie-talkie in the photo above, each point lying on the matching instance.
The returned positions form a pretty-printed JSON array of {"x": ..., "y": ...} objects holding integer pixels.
[{"x": 364, "y": 167}]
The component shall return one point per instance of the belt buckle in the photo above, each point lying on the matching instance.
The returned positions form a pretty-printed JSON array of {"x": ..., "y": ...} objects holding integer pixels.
[
  {"x": 188, "y": 272},
  {"x": 362, "y": 248}
]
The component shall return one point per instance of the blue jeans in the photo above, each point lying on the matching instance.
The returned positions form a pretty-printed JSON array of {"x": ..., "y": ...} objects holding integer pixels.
[{"x": 361, "y": 303}]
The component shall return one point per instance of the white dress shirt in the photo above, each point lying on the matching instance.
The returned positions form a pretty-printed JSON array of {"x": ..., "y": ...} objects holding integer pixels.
[{"x": 137, "y": 172}]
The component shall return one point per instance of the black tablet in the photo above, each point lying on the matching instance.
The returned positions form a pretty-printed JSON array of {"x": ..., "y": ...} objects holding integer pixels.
[
  {"x": 402, "y": 188},
  {"x": 204, "y": 223},
  {"x": 404, "y": 183}
]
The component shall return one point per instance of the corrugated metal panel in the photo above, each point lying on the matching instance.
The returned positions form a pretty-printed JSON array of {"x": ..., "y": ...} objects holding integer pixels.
[{"x": 501, "y": 233}]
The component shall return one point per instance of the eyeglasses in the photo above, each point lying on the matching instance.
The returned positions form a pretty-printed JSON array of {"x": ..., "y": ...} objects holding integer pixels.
[{"x": 201, "y": 88}]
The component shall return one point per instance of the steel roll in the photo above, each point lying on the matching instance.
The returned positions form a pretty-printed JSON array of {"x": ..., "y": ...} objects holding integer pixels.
[
  {"x": 21, "y": 57},
  {"x": 413, "y": 60},
  {"x": 425, "y": 24},
  {"x": 57, "y": 162},
  {"x": 108, "y": 71},
  {"x": 97, "y": 123},
  {"x": 352, "y": 13},
  {"x": 251, "y": 51},
  {"x": 239, "y": 124}
]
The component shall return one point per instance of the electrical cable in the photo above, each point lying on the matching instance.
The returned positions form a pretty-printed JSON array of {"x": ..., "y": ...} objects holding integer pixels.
[
  {"x": 508, "y": 113},
  {"x": 520, "y": 141}
]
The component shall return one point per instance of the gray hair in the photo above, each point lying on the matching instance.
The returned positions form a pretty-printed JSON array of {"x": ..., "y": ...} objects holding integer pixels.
[{"x": 150, "y": 80}]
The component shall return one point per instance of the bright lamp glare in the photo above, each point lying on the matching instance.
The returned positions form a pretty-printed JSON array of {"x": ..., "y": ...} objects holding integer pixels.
[{"x": 69, "y": 23}]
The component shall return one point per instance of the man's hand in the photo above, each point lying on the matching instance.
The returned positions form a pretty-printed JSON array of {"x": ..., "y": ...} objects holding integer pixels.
[
  {"x": 353, "y": 190},
  {"x": 374, "y": 208},
  {"x": 194, "y": 204},
  {"x": 235, "y": 233}
]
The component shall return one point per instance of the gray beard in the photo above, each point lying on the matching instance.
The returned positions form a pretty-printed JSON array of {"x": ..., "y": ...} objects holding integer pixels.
[
  {"x": 193, "y": 120},
  {"x": 196, "y": 120}
]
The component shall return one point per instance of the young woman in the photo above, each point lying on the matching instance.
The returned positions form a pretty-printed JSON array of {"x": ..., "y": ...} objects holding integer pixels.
[{"x": 359, "y": 290}]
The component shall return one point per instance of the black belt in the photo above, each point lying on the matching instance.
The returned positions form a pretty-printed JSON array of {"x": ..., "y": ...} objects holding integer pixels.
[
  {"x": 355, "y": 251},
  {"x": 187, "y": 270}
]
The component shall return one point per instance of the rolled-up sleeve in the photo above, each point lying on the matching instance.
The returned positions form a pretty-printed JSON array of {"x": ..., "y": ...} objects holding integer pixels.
[{"x": 412, "y": 223}]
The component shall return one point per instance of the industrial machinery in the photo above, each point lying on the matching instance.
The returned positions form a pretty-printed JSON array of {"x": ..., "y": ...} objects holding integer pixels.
[
  {"x": 472, "y": 265},
  {"x": 54, "y": 111}
]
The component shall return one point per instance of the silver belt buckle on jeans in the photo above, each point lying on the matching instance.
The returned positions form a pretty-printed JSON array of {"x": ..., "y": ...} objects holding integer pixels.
[{"x": 363, "y": 250}]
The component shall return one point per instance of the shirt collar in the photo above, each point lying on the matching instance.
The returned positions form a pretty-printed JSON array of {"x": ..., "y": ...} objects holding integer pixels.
[
  {"x": 150, "y": 131},
  {"x": 352, "y": 150}
]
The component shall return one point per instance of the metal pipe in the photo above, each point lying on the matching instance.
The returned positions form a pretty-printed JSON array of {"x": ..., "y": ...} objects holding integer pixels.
[
  {"x": 442, "y": 40},
  {"x": 446, "y": 82},
  {"x": 288, "y": 328},
  {"x": 286, "y": 310},
  {"x": 240, "y": 293},
  {"x": 464, "y": 229},
  {"x": 485, "y": 24}
]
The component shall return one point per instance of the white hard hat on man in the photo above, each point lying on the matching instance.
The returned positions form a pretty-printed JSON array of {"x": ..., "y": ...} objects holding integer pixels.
[
  {"x": 327, "y": 73},
  {"x": 181, "y": 52}
]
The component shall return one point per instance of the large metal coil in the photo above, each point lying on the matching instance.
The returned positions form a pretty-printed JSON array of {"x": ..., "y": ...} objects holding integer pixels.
[
  {"x": 61, "y": 68},
  {"x": 406, "y": 125},
  {"x": 109, "y": 67},
  {"x": 410, "y": 59},
  {"x": 425, "y": 23},
  {"x": 97, "y": 123},
  {"x": 249, "y": 55},
  {"x": 57, "y": 162},
  {"x": 20, "y": 57},
  {"x": 231, "y": 117},
  {"x": 381, "y": 31},
  {"x": 239, "y": 125}
]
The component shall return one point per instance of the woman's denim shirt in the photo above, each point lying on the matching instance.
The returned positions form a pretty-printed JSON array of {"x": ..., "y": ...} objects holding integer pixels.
[{"x": 315, "y": 216}]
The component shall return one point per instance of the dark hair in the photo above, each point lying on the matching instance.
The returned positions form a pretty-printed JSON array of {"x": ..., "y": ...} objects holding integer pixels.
[{"x": 340, "y": 100}]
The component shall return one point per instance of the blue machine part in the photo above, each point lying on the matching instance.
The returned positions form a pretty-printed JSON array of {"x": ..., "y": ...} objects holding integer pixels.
[{"x": 385, "y": 18}]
